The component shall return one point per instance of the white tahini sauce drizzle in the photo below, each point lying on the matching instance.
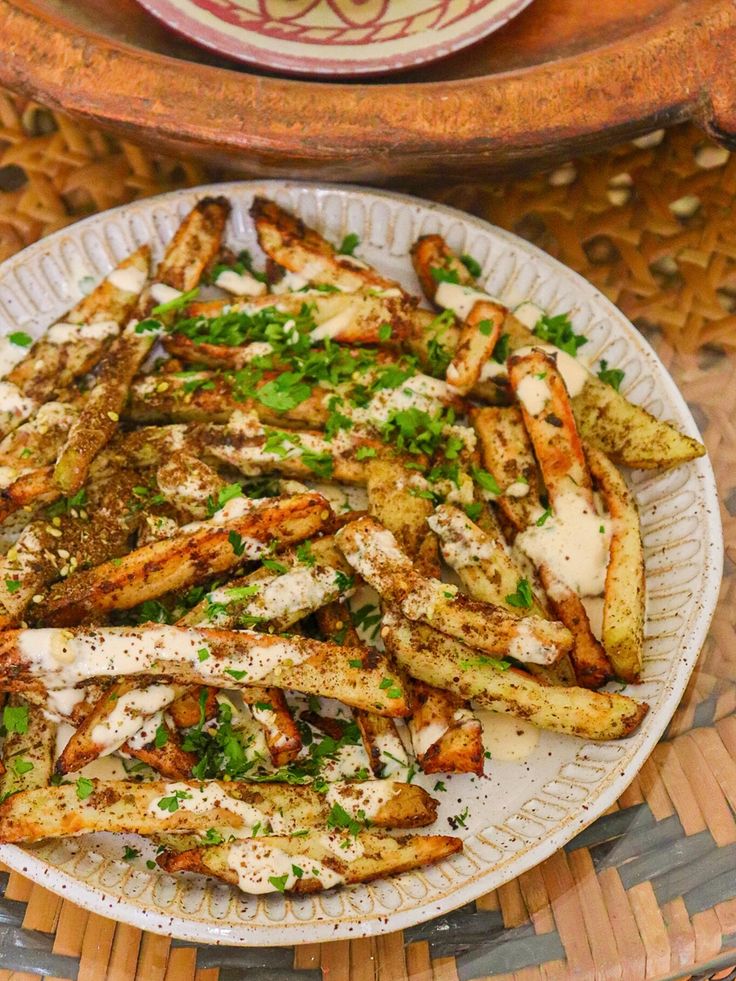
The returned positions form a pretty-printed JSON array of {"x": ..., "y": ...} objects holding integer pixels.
[
  {"x": 161, "y": 293},
  {"x": 67, "y": 333},
  {"x": 14, "y": 406},
  {"x": 10, "y": 355},
  {"x": 206, "y": 797},
  {"x": 461, "y": 544},
  {"x": 130, "y": 279},
  {"x": 391, "y": 752},
  {"x": 525, "y": 646},
  {"x": 533, "y": 393},
  {"x": 333, "y": 326},
  {"x": 505, "y": 737},
  {"x": 573, "y": 542},
  {"x": 256, "y": 863},
  {"x": 240, "y": 284},
  {"x": 424, "y": 737},
  {"x": 460, "y": 299},
  {"x": 63, "y": 659},
  {"x": 130, "y": 711},
  {"x": 574, "y": 373}
]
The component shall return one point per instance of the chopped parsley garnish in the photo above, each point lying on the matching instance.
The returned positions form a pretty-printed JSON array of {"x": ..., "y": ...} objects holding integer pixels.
[
  {"x": 15, "y": 718},
  {"x": 558, "y": 331},
  {"x": 171, "y": 803},
  {"x": 176, "y": 303},
  {"x": 243, "y": 264},
  {"x": 441, "y": 275},
  {"x": 611, "y": 376},
  {"x": 415, "y": 431},
  {"x": 355, "y": 662},
  {"x": 161, "y": 737},
  {"x": 343, "y": 581},
  {"x": 458, "y": 821},
  {"x": 484, "y": 661},
  {"x": 501, "y": 350},
  {"x": 471, "y": 264},
  {"x": 485, "y": 327},
  {"x": 384, "y": 332},
  {"x": 20, "y": 338},
  {"x": 234, "y": 673},
  {"x": 473, "y": 510},
  {"x": 130, "y": 853},
  {"x": 369, "y": 618},
  {"x": 66, "y": 504},
  {"x": 522, "y": 598},
  {"x": 365, "y": 452},
  {"x": 212, "y": 837},
  {"x": 236, "y": 542},
  {"x": 279, "y": 882},
  {"x": 84, "y": 788},
  {"x": 349, "y": 244},
  {"x": 203, "y": 653},
  {"x": 273, "y": 566},
  {"x": 21, "y": 766},
  {"x": 440, "y": 786},
  {"x": 339, "y": 818},
  {"x": 439, "y": 356},
  {"x": 223, "y": 496},
  {"x": 305, "y": 555},
  {"x": 486, "y": 481},
  {"x": 547, "y": 513},
  {"x": 12, "y": 585}
]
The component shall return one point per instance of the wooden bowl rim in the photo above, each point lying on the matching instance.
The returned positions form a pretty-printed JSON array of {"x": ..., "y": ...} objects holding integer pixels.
[{"x": 689, "y": 75}]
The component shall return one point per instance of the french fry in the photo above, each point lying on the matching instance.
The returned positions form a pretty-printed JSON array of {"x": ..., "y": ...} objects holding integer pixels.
[
  {"x": 220, "y": 658},
  {"x": 625, "y": 432},
  {"x": 187, "y": 256},
  {"x": 478, "y": 336},
  {"x": 348, "y": 318},
  {"x": 380, "y": 737},
  {"x": 445, "y": 662},
  {"x": 391, "y": 502},
  {"x": 158, "y": 744},
  {"x": 64, "y": 353},
  {"x": 446, "y": 736},
  {"x": 291, "y": 244},
  {"x": 27, "y": 755},
  {"x": 231, "y": 537},
  {"x": 271, "y": 711},
  {"x": 35, "y": 443},
  {"x": 49, "y": 549},
  {"x": 624, "y": 604},
  {"x": 188, "y": 484},
  {"x": 118, "y": 714},
  {"x": 210, "y": 397},
  {"x": 253, "y": 448},
  {"x": 550, "y": 423},
  {"x": 193, "y": 707},
  {"x": 374, "y": 554},
  {"x": 124, "y": 806},
  {"x": 324, "y": 862},
  {"x": 506, "y": 454},
  {"x": 432, "y": 252}
]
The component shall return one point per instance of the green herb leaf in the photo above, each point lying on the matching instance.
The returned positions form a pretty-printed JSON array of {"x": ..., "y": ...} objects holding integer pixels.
[
  {"x": 20, "y": 338},
  {"x": 305, "y": 555},
  {"x": 12, "y": 585},
  {"x": 486, "y": 481},
  {"x": 558, "y": 331},
  {"x": 384, "y": 332},
  {"x": 177, "y": 303},
  {"x": 611, "y": 376},
  {"x": 472, "y": 265},
  {"x": 161, "y": 737},
  {"x": 365, "y": 452},
  {"x": 130, "y": 853},
  {"x": 84, "y": 788},
  {"x": 440, "y": 275},
  {"x": 501, "y": 350},
  {"x": 543, "y": 517},
  {"x": 349, "y": 244},
  {"x": 522, "y": 598},
  {"x": 236, "y": 542},
  {"x": 279, "y": 881},
  {"x": 15, "y": 718}
]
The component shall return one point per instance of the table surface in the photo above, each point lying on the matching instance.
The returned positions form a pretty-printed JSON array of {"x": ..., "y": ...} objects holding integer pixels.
[{"x": 648, "y": 890}]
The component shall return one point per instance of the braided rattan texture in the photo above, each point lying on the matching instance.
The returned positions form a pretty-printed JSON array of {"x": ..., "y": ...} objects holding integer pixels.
[{"x": 649, "y": 890}]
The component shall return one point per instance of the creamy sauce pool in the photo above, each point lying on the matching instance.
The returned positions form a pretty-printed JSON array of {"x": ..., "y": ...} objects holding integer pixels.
[{"x": 506, "y": 738}]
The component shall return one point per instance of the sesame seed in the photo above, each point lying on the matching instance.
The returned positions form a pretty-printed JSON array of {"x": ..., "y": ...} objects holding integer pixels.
[
  {"x": 162, "y": 386},
  {"x": 113, "y": 416},
  {"x": 38, "y": 598}
]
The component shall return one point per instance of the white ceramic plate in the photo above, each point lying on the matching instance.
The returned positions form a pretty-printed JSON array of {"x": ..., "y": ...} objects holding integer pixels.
[{"x": 519, "y": 813}]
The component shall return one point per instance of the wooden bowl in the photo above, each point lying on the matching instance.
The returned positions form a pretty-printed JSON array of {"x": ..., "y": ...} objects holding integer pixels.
[{"x": 563, "y": 77}]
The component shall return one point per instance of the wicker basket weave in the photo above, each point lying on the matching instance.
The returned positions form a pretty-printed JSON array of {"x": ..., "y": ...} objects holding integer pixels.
[{"x": 649, "y": 890}]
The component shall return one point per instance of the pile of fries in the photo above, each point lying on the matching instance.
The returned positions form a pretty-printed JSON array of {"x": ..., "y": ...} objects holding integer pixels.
[{"x": 272, "y": 537}]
